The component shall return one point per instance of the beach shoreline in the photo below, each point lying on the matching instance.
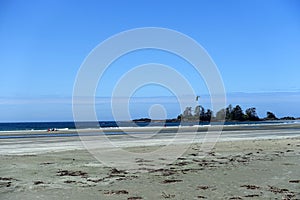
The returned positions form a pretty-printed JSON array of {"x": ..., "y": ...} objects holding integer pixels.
[
  {"x": 162, "y": 129},
  {"x": 251, "y": 163},
  {"x": 261, "y": 169}
]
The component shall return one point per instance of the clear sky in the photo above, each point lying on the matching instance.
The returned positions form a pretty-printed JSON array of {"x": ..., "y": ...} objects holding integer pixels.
[{"x": 254, "y": 43}]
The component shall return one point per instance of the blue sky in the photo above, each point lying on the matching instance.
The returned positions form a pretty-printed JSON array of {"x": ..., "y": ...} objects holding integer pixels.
[{"x": 255, "y": 45}]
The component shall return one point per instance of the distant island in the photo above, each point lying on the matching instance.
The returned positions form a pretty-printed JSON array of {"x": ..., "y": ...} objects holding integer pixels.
[
  {"x": 142, "y": 120},
  {"x": 228, "y": 114}
]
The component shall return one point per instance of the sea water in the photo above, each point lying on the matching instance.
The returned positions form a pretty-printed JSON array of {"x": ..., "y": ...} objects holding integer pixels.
[{"x": 26, "y": 126}]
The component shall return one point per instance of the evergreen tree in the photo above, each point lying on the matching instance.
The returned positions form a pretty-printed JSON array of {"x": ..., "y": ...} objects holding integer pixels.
[
  {"x": 197, "y": 111},
  {"x": 237, "y": 114},
  {"x": 208, "y": 115},
  {"x": 187, "y": 112},
  {"x": 251, "y": 114},
  {"x": 229, "y": 112},
  {"x": 271, "y": 116}
]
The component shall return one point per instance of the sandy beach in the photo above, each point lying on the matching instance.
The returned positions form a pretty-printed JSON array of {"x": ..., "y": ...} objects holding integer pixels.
[{"x": 245, "y": 163}]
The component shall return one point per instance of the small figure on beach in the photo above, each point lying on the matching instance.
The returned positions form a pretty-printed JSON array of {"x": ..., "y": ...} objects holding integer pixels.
[{"x": 52, "y": 129}]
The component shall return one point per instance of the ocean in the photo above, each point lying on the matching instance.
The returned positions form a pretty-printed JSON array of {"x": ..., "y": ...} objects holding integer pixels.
[{"x": 25, "y": 126}]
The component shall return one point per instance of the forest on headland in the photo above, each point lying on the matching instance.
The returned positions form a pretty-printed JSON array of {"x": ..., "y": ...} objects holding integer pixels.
[{"x": 230, "y": 113}]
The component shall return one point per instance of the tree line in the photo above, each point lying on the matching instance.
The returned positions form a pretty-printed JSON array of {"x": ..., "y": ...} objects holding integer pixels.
[{"x": 228, "y": 114}]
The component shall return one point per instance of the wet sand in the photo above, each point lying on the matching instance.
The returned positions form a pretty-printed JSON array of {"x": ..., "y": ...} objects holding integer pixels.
[{"x": 244, "y": 164}]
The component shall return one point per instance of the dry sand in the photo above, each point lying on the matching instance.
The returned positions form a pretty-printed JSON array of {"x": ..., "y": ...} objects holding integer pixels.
[{"x": 236, "y": 169}]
